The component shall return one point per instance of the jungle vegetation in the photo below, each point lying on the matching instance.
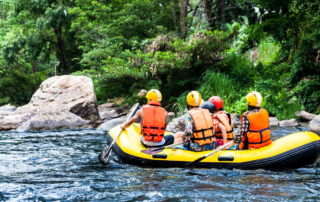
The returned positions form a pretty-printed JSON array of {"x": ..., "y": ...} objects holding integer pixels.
[{"x": 219, "y": 47}]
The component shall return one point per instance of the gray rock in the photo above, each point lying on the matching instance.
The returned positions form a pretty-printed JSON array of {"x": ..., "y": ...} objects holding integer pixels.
[
  {"x": 57, "y": 95},
  {"x": 112, "y": 123},
  {"x": 177, "y": 124},
  {"x": 107, "y": 106},
  {"x": 291, "y": 122},
  {"x": 273, "y": 121},
  {"x": 235, "y": 120},
  {"x": 108, "y": 114},
  {"x": 307, "y": 116},
  {"x": 315, "y": 125},
  {"x": 142, "y": 93},
  {"x": 7, "y": 108},
  {"x": 171, "y": 115},
  {"x": 52, "y": 120},
  {"x": 124, "y": 108}
]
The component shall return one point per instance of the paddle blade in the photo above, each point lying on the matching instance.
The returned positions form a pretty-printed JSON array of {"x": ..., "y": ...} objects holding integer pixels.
[
  {"x": 192, "y": 164},
  {"x": 105, "y": 155}
]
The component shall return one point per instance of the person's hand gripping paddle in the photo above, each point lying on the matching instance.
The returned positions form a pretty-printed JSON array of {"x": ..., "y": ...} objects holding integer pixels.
[
  {"x": 192, "y": 164},
  {"x": 107, "y": 151}
]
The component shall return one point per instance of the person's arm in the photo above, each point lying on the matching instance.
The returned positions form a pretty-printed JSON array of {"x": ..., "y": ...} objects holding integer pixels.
[
  {"x": 224, "y": 132},
  {"x": 244, "y": 128},
  {"x": 132, "y": 120}
]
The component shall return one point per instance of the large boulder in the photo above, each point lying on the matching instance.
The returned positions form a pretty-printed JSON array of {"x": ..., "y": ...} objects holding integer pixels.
[
  {"x": 6, "y": 110},
  {"x": 177, "y": 124},
  {"x": 273, "y": 121},
  {"x": 314, "y": 125},
  {"x": 69, "y": 99},
  {"x": 306, "y": 116},
  {"x": 286, "y": 123}
]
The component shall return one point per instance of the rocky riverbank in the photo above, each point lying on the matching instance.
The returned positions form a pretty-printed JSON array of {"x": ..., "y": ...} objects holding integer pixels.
[{"x": 69, "y": 102}]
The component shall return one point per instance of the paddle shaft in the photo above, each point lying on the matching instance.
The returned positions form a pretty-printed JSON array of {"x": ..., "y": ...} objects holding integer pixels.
[
  {"x": 116, "y": 138},
  {"x": 205, "y": 156},
  {"x": 165, "y": 147}
]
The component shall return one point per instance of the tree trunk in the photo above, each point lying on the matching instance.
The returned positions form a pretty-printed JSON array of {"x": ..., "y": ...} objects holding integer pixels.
[
  {"x": 260, "y": 17},
  {"x": 223, "y": 15},
  {"x": 63, "y": 60},
  {"x": 194, "y": 13},
  {"x": 174, "y": 16},
  {"x": 4, "y": 25},
  {"x": 208, "y": 14},
  {"x": 183, "y": 18},
  {"x": 199, "y": 17}
]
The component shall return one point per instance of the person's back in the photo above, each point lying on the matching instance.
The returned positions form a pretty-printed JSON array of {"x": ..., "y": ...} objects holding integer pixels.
[
  {"x": 254, "y": 125},
  {"x": 198, "y": 134},
  {"x": 154, "y": 120}
]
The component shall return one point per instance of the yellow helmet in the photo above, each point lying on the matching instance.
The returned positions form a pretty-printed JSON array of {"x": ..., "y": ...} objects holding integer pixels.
[
  {"x": 194, "y": 99},
  {"x": 154, "y": 95},
  {"x": 254, "y": 99}
]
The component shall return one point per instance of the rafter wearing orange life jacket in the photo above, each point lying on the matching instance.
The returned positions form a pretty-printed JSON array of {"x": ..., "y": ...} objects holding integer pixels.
[
  {"x": 224, "y": 118},
  {"x": 203, "y": 131},
  {"x": 153, "y": 122},
  {"x": 259, "y": 131}
]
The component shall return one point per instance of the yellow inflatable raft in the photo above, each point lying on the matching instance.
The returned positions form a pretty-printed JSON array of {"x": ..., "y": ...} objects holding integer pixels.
[{"x": 292, "y": 151}]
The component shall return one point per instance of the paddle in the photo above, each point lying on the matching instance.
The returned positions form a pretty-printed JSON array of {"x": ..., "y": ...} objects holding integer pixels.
[
  {"x": 107, "y": 151},
  {"x": 155, "y": 150},
  {"x": 205, "y": 156}
]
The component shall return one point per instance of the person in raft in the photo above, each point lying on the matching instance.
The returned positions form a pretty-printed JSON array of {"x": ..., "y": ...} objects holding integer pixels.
[
  {"x": 154, "y": 120},
  {"x": 254, "y": 125},
  {"x": 199, "y": 133},
  {"x": 222, "y": 122}
]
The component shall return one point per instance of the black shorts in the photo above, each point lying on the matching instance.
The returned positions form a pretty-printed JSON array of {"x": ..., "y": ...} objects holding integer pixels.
[{"x": 169, "y": 139}]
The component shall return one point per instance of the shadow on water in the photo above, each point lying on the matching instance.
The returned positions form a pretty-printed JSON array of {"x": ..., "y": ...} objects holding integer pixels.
[{"x": 63, "y": 166}]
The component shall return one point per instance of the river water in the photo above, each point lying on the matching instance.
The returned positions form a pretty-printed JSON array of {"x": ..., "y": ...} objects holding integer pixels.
[{"x": 63, "y": 166}]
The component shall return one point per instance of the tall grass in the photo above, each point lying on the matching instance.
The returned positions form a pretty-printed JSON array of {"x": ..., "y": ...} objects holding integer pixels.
[{"x": 268, "y": 51}]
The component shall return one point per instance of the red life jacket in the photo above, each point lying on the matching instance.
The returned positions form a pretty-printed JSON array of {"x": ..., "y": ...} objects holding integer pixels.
[
  {"x": 259, "y": 131},
  {"x": 153, "y": 122},
  {"x": 224, "y": 118}
]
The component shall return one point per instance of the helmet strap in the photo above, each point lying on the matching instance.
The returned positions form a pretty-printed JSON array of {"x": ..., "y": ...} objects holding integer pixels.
[{"x": 252, "y": 107}]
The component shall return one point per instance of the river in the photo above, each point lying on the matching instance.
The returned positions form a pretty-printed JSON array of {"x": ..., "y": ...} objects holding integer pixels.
[{"x": 63, "y": 166}]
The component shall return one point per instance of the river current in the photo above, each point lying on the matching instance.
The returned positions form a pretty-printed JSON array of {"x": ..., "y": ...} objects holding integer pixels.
[{"x": 63, "y": 166}]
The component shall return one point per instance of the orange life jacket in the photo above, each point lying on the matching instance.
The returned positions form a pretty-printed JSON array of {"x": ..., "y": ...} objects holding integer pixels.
[
  {"x": 224, "y": 118},
  {"x": 203, "y": 131},
  {"x": 153, "y": 122},
  {"x": 259, "y": 131}
]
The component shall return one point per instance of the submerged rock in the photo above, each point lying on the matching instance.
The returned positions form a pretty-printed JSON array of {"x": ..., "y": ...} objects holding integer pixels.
[
  {"x": 273, "y": 121},
  {"x": 307, "y": 116},
  {"x": 60, "y": 102},
  {"x": 291, "y": 122},
  {"x": 314, "y": 125}
]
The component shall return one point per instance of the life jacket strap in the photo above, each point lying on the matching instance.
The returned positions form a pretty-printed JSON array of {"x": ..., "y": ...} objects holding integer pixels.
[
  {"x": 204, "y": 137},
  {"x": 152, "y": 135},
  {"x": 222, "y": 138},
  {"x": 230, "y": 131},
  {"x": 152, "y": 127},
  {"x": 257, "y": 142}
]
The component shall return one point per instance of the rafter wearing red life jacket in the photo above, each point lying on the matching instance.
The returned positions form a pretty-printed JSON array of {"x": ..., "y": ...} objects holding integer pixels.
[
  {"x": 153, "y": 122},
  {"x": 259, "y": 131}
]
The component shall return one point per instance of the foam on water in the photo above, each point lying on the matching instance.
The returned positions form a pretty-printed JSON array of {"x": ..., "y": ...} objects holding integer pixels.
[{"x": 63, "y": 166}]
